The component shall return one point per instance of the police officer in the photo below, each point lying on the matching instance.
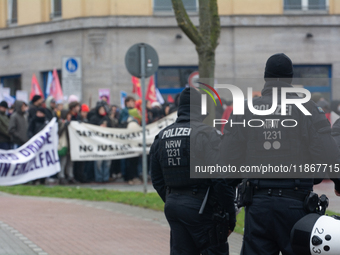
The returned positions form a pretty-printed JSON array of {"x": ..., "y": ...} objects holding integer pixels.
[
  {"x": 275, "y": 205},
  {"x": 200, "y": 212}
]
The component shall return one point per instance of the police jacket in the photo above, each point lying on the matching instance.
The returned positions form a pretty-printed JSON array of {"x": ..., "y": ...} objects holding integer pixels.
[
  {"x": 172, "y": 152},
  {"x": 291, "y": 140},
  {"x": 336, "y": 136}
]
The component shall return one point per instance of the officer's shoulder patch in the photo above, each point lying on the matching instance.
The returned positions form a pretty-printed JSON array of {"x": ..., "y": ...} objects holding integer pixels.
[{"x": 320, "y": 110}]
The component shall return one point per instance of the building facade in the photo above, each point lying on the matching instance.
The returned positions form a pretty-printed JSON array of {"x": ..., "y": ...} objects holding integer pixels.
[{"x": 35, "y": 35}]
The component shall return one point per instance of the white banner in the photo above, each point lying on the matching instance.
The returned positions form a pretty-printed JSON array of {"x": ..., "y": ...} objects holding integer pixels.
[
  {"x": 90, "y": 142},
  {"x": 38, "y": 158}
]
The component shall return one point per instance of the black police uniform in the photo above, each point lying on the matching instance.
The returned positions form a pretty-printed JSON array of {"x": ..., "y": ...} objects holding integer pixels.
[
  {"x": 277, "y": 204},
  {"x": 336, "y": 136},
  {"x": 191, "y": 232}
]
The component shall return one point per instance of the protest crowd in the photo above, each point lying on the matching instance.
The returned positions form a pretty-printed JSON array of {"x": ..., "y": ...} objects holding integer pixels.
[{"x": 22, "y": 121}]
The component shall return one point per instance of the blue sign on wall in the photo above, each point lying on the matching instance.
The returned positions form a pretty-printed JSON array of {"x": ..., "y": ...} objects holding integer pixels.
[{"x": 71, "y": 65}]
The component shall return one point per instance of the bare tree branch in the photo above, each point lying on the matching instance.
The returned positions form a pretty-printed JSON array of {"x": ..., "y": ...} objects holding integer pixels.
[{"x": 185, "y": 23}]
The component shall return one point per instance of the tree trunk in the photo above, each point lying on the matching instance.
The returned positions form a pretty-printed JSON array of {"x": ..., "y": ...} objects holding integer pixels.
[
  {"x": 205, "y": 38},
  {"x": 206, "y": 69}
]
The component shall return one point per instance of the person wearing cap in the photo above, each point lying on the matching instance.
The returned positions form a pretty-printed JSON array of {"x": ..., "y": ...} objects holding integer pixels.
[
  {"x": 84, "y": 110},
  {"x": 36, "y": 102},
  {"x": 5, "y": 139},
  {"x": 273, "y": 206},
  {"x": 38, "y": 122},
  {"x": 192, "y": 205}
]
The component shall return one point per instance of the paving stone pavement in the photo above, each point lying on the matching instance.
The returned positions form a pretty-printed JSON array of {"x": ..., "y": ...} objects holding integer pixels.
[
  {"x": 67, "y": 226},
  {"x": 13, "y": 242}
]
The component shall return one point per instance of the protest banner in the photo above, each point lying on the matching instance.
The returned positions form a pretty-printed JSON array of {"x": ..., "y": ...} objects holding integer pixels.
[
  {"x": 38, "y": 158},
  {"x": 90, "y": 142}
]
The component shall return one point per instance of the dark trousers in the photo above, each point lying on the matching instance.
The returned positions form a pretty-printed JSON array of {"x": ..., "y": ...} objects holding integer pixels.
[
  {"x": 268, "y": 223},
  {"x": 5, "y": 146},
  {"x": 189, "y": 230},
  {"x": 131, "y": 169},
  {"x": 115, "y": 166},
  {"x": 83, "y": 171}
]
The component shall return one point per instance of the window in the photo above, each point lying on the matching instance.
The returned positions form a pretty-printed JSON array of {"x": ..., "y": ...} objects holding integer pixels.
[
  {"x": 13, "y": 82},
  {"x": 173, "y": 79},
  {"x": 12, "y": 15},
  {"x": 165, "y": 6},
  {"x": 315, "y": 78},
  {"x": 305, "y": 5},
  {"x": 56, "y": 9},
  {"x": 44, "y": 76}
]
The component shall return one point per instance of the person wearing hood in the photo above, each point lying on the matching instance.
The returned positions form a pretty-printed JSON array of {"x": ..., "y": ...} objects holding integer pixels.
[
  {"x": 5, "y": 139},
  {"x": 18, "y": 125},
  {"x": 101, "y": 167},
  {"x": 276, "y": 199},
  {"x": 101, "y": 117},
  {"x": 176, "y": 149},
  {"x": 50, "y": 108}
]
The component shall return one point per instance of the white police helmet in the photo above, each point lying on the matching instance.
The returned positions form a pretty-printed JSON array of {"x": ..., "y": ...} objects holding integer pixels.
[{"x": 315, "y": 234}]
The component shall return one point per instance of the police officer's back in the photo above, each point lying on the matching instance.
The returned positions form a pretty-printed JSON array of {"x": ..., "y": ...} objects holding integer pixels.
[
  {"x": 171, "y": 155},
  {"x": 276, "y": 204}
]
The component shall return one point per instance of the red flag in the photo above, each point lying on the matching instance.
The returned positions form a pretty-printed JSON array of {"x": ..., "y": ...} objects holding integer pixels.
[
  {"x": 55, "y": 89},
  {"x": 137, "y": 89},
  {"x": 151, "y": 93},
  {"x": 170, "y": 99},
  {"x": 35, "y": 88}
]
